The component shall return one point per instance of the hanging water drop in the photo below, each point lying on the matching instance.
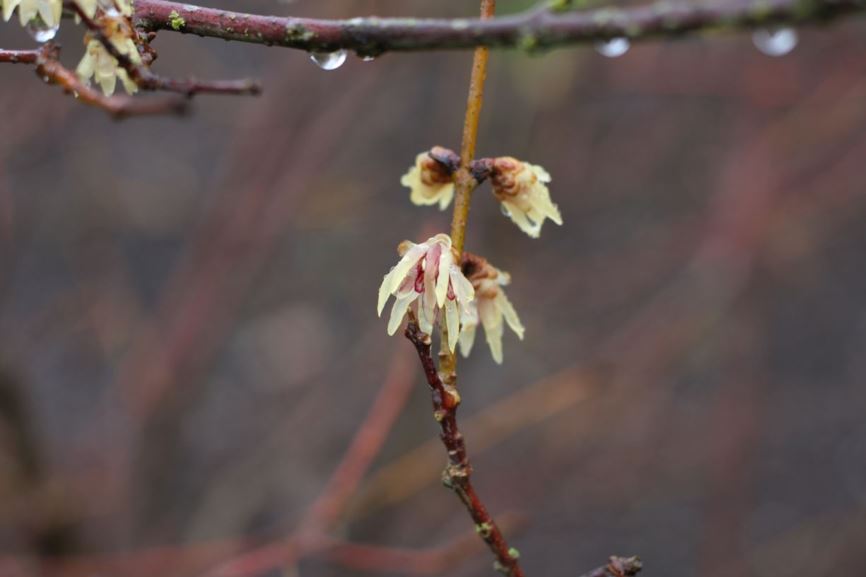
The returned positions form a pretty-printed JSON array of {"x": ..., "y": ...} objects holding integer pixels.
[
  {"x": 775, "y": 42},
  {"x": 328, "y": 60},
  {"x": 40, "y": 31},
  {"x": 505, "y": 211},
  {"x": 613, "y": 48}
]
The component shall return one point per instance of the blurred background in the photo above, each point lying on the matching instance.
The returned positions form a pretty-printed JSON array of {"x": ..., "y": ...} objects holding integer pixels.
[{"x": 188, "y": 342}]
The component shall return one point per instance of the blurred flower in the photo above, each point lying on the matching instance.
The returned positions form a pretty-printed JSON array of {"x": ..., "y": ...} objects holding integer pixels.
[
  {"x": 427, "y": 279},
  {"x": 98, "y": 64},
  {"x": 49, "y": 11},
  {"x": 89, "y": 7},
  {"x": 521, "y": 188},
  {"x": 490, "y": 306},
  {"x": 431, "y": 180}
]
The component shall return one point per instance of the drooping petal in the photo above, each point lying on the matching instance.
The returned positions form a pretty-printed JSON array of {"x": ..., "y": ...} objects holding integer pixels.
[
  {"x": 542, "y": 174},
  {"x": 9, "y": 7},
  {"x": 467, "y": 339},
  {"x": 446, "y": 194},
  {"x": 27, "y": 11},
  {"x": 128, "y": 85},
  {"x": 87, "y": 65},
  {"x": 504, "y": 305},
  {"x": 463, "y": 290},
  {"x": 519, "y": 218},
  {"x": 443, "y": 269},
  {"x": 428, "y": 183},
  {"x": 88, "y": 7},
  {"x": 398, "y": 311},
  {"x": 491, "y": 318},
  {"x": 452, "y": 321},
  {"x": 407, "y": 263},
  {"x": 426, "y": 314}
]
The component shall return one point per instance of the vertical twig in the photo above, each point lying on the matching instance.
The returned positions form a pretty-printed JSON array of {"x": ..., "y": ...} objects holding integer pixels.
[
  {"x": 446, "y": 399},
  {"x": 458, "y": 472}
]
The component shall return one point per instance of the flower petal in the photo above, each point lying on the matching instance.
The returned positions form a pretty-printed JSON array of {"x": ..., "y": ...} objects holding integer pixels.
[
  {"x": 443, "y": 276},
  {"x": 463, "y": 290},
  {"x": 398, "y": 311},
  {"x": 467, "y": 339},
  {"x": 504, "y": 305},
  {"x": 491, "y": 318},
  {"x": 452, "y": 321}
]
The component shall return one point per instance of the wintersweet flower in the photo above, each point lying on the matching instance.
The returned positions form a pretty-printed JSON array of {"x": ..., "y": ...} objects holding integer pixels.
[
  {"x": 490, "y": 307},
  {"x": 522, "y": 189},
  {"x": 431, "y": 179},
  {"x": 98, "y": 64},
  {"x": 428, "y": 280},
  {"x": 50, "y": 11}
]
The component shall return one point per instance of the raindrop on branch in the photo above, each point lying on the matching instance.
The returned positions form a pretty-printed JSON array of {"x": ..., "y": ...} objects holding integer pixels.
[
  {"x": 776, "y": 42},
  {"x": 613, "y": 48},
  {"x": 40, "y": 31},
  {"x": 328, "y": 60}
]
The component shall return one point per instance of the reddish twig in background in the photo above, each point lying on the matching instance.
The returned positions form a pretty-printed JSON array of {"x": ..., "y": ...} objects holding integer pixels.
[
  {"x": 458, "y": 472},
  {"x": 546, "y": 27},
  {"x": 617, "y": 567},
  {"x": 366, "y": 444},
  {"x": 145, "y": 79},
  {"x": 49, "y": 68}
]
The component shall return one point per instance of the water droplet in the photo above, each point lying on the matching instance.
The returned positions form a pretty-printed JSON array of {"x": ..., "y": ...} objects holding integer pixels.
[
  {"x": 368, "y": 58},
  {"x": 505, "y": 211},
  {"x": 40, "y": 31},
  {"x": 613, "y": 48},
  {"x": 775, "y": 42},
  {"x": 328, "y": 60}
]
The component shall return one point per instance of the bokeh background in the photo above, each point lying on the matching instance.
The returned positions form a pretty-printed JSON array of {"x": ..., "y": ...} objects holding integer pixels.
[{"x": 188, "y": 341}]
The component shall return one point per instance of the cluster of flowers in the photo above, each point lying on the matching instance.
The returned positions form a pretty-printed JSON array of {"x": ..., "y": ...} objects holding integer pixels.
[
  {"x": 432, "y": 282},
  {"x": 97, "y": 63}
]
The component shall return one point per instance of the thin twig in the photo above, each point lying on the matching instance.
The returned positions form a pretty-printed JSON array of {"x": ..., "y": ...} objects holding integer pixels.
[
  {"x": 146, "y": 79},
  {"x": 458, "y": 472},
  {"x": 49, "y": 69},
  {"x": 617, "y": 567},
  {"x": 538, "y": 28},
  {"x": 19, "y": 56}
]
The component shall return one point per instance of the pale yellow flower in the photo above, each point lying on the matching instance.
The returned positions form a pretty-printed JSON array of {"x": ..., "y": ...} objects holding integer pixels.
[
  {"x": 88, "y": 7},
  {"x": 431, "y": 179},
  {"x": 428, "y": 280},
  {"x": 50, "y": 11},
  {"x": 522, "y": 189},
  {"x": 99, "y": 65},
  {"x": 491, "y": 307},
  {"x": 124, "y": 6}
]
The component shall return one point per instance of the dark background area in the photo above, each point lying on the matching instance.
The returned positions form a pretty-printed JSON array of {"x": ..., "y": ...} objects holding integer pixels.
[{"x": 188, "y": 339}]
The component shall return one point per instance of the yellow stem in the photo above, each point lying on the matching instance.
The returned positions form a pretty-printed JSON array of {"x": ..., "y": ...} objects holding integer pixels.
[{"x": 464, "y": 182}]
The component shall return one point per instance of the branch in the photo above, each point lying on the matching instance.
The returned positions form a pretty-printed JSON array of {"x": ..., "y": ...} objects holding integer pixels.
[
  {"x": 457, "y": 474},
  {"x": 19, "y": 56},
  {"x": 145, "y": 78},
  {"x": 49, "y": 68},
  {"x": 539, "y": 28},
  {"x": 617, "y": 567}
]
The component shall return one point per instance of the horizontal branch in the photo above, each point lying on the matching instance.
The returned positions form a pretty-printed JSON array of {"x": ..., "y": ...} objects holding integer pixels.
[
  {"x": 48, "y": 67},
  {"x": 535, "y": 29},
  {"x": 146, "y": 79},
  {"x": 19, "y": 56}
]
